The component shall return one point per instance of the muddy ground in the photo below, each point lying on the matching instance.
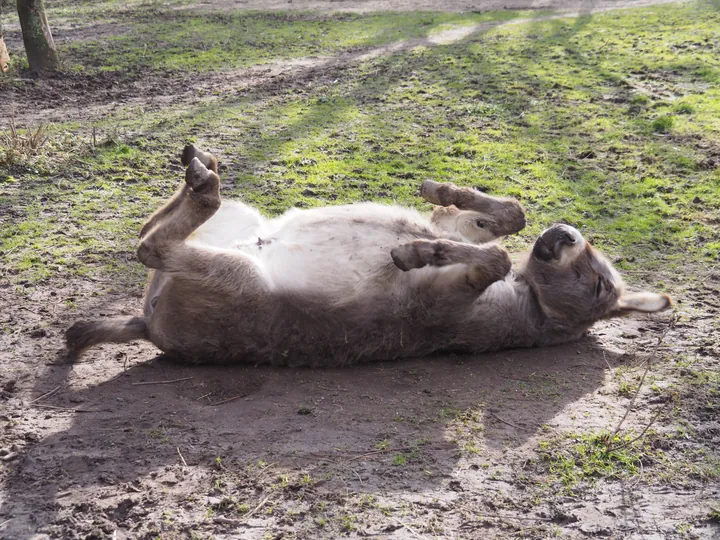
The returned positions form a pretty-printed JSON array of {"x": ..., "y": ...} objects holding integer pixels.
[{"x": 126, "y": 444}]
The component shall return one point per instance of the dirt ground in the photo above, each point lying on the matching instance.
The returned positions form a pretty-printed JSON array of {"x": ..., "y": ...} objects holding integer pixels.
[
  {"x": 106, "y": 453},
  {"x": 126, "y": 444}
]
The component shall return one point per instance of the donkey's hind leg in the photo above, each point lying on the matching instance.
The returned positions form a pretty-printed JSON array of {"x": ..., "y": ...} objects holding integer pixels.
[
  {"x": 189, "y": 153},
  {"x": 195, "y": 203},
  {"x": 166, "y": 248}
]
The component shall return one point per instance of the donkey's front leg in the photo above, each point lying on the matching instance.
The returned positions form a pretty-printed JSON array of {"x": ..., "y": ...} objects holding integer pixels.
[
  {"x": 466, "y": 208},
  {"x": 485, "y": 264}
]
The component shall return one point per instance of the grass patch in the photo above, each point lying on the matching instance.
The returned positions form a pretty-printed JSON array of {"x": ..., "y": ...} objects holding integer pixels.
[
  {"x": 589, "y": 457},
  {"x": 148, "y": 37},
  {"x": 663, "y": 124}
]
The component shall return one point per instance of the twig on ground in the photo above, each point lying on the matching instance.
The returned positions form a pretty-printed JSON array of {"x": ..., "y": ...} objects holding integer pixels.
[
  {"x": 228, "y": 400},
  {"x": 652, "y": 421},
  {"x": 5, "y": 522},
  {"x": 258, "y": 507},
  {"x": 66, "y": 409},
  {"x": 640, "y": 476},
  {"x": 45, "y": 395},
  {"x": 606, "y": 361},
  {"x": 506, "y": 422},
  {"x": 203, "y": 396},
  {"x": 162, "y": 382},
  {"x": 264, "y": 471},
  {"x": 412, "y": 531},
  {"x": 181, "y": 457},
  {"x": 358, "y": 476},
  {"x": 483, "y": 515},
  {"x": 648, "y": 362}
]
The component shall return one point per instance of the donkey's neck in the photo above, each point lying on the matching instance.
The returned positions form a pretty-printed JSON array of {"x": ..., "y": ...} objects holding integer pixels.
[{"x": 509, "y": 315}]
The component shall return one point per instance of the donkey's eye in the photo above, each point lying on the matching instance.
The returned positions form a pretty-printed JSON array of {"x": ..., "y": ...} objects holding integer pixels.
[
  {"x": 480, "y": 223},
  {"x": 598, "y": 287}
]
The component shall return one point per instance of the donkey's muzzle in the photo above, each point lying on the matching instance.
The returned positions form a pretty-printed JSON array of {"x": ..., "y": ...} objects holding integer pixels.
[{"x": 550, "y": 243}]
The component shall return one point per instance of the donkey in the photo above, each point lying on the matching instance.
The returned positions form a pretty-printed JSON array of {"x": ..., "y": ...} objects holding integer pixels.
[{"x": 340, "y": 285}]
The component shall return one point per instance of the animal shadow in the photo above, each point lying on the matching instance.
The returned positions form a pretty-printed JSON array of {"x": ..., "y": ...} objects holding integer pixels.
[{"x": 164, "y": 426}]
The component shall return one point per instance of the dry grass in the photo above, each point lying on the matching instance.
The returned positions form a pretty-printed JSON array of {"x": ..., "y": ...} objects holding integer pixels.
[{"x": 17, "y": 143}]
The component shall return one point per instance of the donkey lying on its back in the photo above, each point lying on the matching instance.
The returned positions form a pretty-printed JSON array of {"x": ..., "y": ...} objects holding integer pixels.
[{"x": 344, "y": 284}]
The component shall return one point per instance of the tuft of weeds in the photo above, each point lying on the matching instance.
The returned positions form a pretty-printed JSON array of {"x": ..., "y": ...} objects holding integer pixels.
[
  {"x": 399, "y": 460},
  {"x": 348, "y": 523},
  {"x": 588, "y": 457},
  {"x": 19, "y": 143},
  {"x": 684, "y": 108},
  {"x": 713, "y": 516},
  {"x": 663, "y": 124},
  {"x": 626, "y": 389}
]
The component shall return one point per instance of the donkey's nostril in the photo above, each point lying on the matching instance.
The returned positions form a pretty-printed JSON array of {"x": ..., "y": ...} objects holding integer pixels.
[{"x": 567, "y": 238}]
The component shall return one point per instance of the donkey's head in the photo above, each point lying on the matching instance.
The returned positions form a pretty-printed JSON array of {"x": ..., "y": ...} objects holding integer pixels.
[{"x": 576, "y": 285}]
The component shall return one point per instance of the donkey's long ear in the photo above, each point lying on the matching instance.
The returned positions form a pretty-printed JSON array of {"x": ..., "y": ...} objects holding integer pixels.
[{"x": 644, "y": 302}]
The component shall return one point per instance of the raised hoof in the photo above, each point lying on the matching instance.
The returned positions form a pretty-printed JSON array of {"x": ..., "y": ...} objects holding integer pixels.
[
  {"x": 206, "y": 158},
  {"x": 437, "y": 193},
  {"x": 200, "y": 179},
  {"x": 413, "y": 255}
]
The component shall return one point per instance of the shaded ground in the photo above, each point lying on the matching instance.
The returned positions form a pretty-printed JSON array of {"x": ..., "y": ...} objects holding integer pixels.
[{"x": 496, "y": 446}]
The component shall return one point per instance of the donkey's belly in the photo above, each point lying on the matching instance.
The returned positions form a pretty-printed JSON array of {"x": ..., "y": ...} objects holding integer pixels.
[{"x": 338, "y": 252}]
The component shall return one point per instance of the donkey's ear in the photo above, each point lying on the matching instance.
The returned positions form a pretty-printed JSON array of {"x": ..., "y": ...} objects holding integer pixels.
[{"x": 645, "y": 302}]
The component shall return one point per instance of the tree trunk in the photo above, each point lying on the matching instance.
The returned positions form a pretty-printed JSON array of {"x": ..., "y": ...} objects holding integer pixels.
[{"x": 39, "y": 44}]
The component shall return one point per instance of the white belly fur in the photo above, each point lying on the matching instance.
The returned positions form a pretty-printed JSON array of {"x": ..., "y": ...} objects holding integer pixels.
[{"x": 339, "y": 250}]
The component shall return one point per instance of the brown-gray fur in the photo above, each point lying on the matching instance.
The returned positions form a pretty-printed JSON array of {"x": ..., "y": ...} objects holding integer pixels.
[{"x": 429, "y": 294}]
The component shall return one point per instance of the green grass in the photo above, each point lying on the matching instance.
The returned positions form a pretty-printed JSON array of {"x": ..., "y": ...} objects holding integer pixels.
[
  {"x": 587, "y": 458},
  {"x": 148, "y": 37},
  {"x": 184, "y": 41},
  {"x": 562, "y": 114}
]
